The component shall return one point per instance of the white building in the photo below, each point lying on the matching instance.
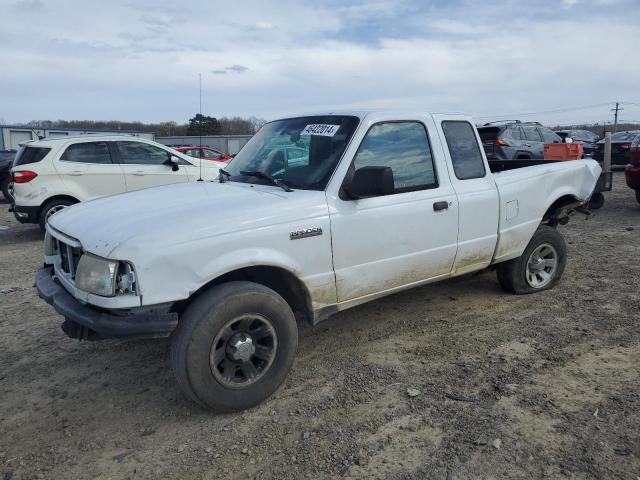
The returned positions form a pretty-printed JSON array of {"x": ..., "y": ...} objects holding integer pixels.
[{"x": 11, "y": 136}]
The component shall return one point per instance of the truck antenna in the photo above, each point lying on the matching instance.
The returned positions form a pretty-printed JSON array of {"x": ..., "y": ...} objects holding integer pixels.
[{"x": 200, "y": 130}]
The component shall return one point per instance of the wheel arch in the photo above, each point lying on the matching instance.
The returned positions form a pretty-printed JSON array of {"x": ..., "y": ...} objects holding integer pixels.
[
  {"x": 57, "y": 197},
  {"x": 282, "y": 281},
  {"x": 560, "y": 209}
]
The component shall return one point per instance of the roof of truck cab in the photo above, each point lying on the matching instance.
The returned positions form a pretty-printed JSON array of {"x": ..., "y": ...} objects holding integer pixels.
[{"x": 362, "y": 113}]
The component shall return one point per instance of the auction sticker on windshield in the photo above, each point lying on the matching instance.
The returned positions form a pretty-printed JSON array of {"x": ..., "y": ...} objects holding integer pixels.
[{"x": 322, "y": 129}]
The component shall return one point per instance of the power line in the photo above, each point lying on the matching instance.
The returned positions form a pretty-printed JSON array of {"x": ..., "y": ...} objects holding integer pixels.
[{"x": 561, "y": 110}]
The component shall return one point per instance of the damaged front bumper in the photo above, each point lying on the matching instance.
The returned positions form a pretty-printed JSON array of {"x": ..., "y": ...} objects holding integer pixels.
[{"x": 85, "y": 322}]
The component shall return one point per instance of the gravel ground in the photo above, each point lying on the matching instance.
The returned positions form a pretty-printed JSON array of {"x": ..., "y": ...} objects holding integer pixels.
[{"x": 537, "y": 386}]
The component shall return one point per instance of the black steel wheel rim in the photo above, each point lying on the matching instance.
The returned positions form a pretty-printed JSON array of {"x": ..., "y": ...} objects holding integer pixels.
[{"x": 243, "y": 351}]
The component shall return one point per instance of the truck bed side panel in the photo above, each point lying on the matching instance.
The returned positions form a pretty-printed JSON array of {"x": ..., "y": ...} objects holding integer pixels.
[{"x": 527, "y": 193}]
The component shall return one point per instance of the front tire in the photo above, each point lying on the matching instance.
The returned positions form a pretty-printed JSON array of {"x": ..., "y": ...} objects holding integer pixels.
[
  {"x": 638, "y": 196},
  {"x": 539, "y": 267},
  {"x": 234, "y": 346}
]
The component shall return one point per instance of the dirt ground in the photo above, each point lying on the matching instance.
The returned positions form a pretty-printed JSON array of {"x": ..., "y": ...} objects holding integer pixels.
[{"x": 537, "y": 386}]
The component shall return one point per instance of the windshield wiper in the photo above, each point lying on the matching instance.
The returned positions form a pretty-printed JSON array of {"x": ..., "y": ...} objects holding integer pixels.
[
  {"x": 225, "y": 173},
  {"x": 266, "y": 176}
]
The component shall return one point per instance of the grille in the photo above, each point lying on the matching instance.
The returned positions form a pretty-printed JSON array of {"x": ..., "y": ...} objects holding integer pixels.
[{"x": 69, "y": 257}]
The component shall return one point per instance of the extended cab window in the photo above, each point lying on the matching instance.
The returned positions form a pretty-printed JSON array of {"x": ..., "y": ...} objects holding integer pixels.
[
  {"x": 139, "y": 153},
  {"x": 88, "y": 152},
  {"x": 404, "y": 147},
  {"x": 464, "y": 150}
]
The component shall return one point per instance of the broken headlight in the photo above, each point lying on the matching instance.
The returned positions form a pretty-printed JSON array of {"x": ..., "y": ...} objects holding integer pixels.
[{"x": 104, "y": 277}]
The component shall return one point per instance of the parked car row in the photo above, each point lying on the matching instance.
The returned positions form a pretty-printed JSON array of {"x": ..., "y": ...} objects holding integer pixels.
[
  {"x": 53, "y": 173},
  {"x": 621, "y": 143}
]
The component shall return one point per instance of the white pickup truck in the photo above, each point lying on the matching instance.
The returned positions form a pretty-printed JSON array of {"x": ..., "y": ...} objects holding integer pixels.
[{"x": 369, "y": 204}]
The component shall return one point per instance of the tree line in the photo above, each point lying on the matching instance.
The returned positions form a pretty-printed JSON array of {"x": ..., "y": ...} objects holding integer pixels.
[{"x": 197, "y": 125}]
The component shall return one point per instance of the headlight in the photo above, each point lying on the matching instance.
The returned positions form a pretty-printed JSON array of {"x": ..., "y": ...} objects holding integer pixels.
[{"x": 97, "y": 275}]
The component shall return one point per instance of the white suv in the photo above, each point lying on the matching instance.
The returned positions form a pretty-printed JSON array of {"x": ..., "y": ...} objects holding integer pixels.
[{"x": 51, "y": 174}]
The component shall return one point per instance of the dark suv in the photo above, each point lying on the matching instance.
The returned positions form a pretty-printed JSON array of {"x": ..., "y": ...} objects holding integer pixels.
[{"x": 513, "y": 139}]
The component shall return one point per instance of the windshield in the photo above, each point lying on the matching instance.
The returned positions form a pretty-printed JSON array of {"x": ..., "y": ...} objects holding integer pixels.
[{"x": 301, "y": 152}]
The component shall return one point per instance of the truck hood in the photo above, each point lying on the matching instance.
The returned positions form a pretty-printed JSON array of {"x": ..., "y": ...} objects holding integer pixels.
[{"x": 181, "y": 213}]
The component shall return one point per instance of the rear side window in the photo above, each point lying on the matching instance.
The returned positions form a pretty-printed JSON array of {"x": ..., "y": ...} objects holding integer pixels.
[
  {"x": 514, "y": 132},
  {"x": 465, "y": 152},
  {"x": 89, "y": 152},
  {"x": 531, "y": 133},
  {"x": 28, "y": 155}
]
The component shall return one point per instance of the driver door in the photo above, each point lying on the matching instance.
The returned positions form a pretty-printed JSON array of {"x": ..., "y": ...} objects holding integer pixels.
[
  {"x": 383, "y": 243},
  {"x": 146, "y": 165}
]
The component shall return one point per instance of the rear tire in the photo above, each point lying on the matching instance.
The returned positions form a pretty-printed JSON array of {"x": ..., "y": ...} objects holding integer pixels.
[
  {"x": 4, "y": 186},
  {"x": 50, "y": 208},
  {"x": 539, "y": 267},
  {"x": 638, "y": 196},
  {"x": 597, "y": 201},
  {"x": 234, "y": 346}
]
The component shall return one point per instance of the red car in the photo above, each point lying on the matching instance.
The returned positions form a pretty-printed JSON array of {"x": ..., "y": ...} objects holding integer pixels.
[
  {"x": 632, "y": 171},
  {"x": 207, "y": 153}
]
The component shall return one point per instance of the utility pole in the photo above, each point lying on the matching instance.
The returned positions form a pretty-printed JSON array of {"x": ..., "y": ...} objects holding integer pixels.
[{"x": 615, "y": 116}]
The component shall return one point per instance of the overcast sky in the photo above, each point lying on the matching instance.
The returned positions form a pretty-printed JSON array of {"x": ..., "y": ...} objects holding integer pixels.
[{"x": 140, "y": 59}]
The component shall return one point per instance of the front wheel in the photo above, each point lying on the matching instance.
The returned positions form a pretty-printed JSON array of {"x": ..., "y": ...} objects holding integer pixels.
[
  {"x": 539, "y": 267},
  {"x": 234, "y": 346}
]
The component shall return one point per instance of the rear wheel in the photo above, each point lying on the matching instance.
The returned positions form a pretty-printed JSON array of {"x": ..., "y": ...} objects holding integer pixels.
[
  {"x": 638, "y": 195},
  {"x": 50, "y": 208},
  {"x": 597, "y": 201},
  {"x": 539, "y": 267},
  {"x": 234, "y": 346}
]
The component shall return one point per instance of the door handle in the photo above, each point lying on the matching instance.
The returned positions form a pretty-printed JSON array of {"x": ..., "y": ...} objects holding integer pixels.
[
  {"x": 76, "y": 173},
  {"x": 139, "y": 173},
  {"x": 437, "y": 206}
]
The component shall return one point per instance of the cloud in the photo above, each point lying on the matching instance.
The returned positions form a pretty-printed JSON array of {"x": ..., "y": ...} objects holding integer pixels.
[
  {"x": 237, "y": 68},
  {"x": 569, "y": 3},
  {"x": 27, "y": 6},
  {"x": 142, "y": 59}
]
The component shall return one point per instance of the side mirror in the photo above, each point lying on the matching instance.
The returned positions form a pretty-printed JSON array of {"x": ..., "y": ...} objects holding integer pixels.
[
  {"x": 370, "y": 182},
  {"x": 172, "y": 161}
]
